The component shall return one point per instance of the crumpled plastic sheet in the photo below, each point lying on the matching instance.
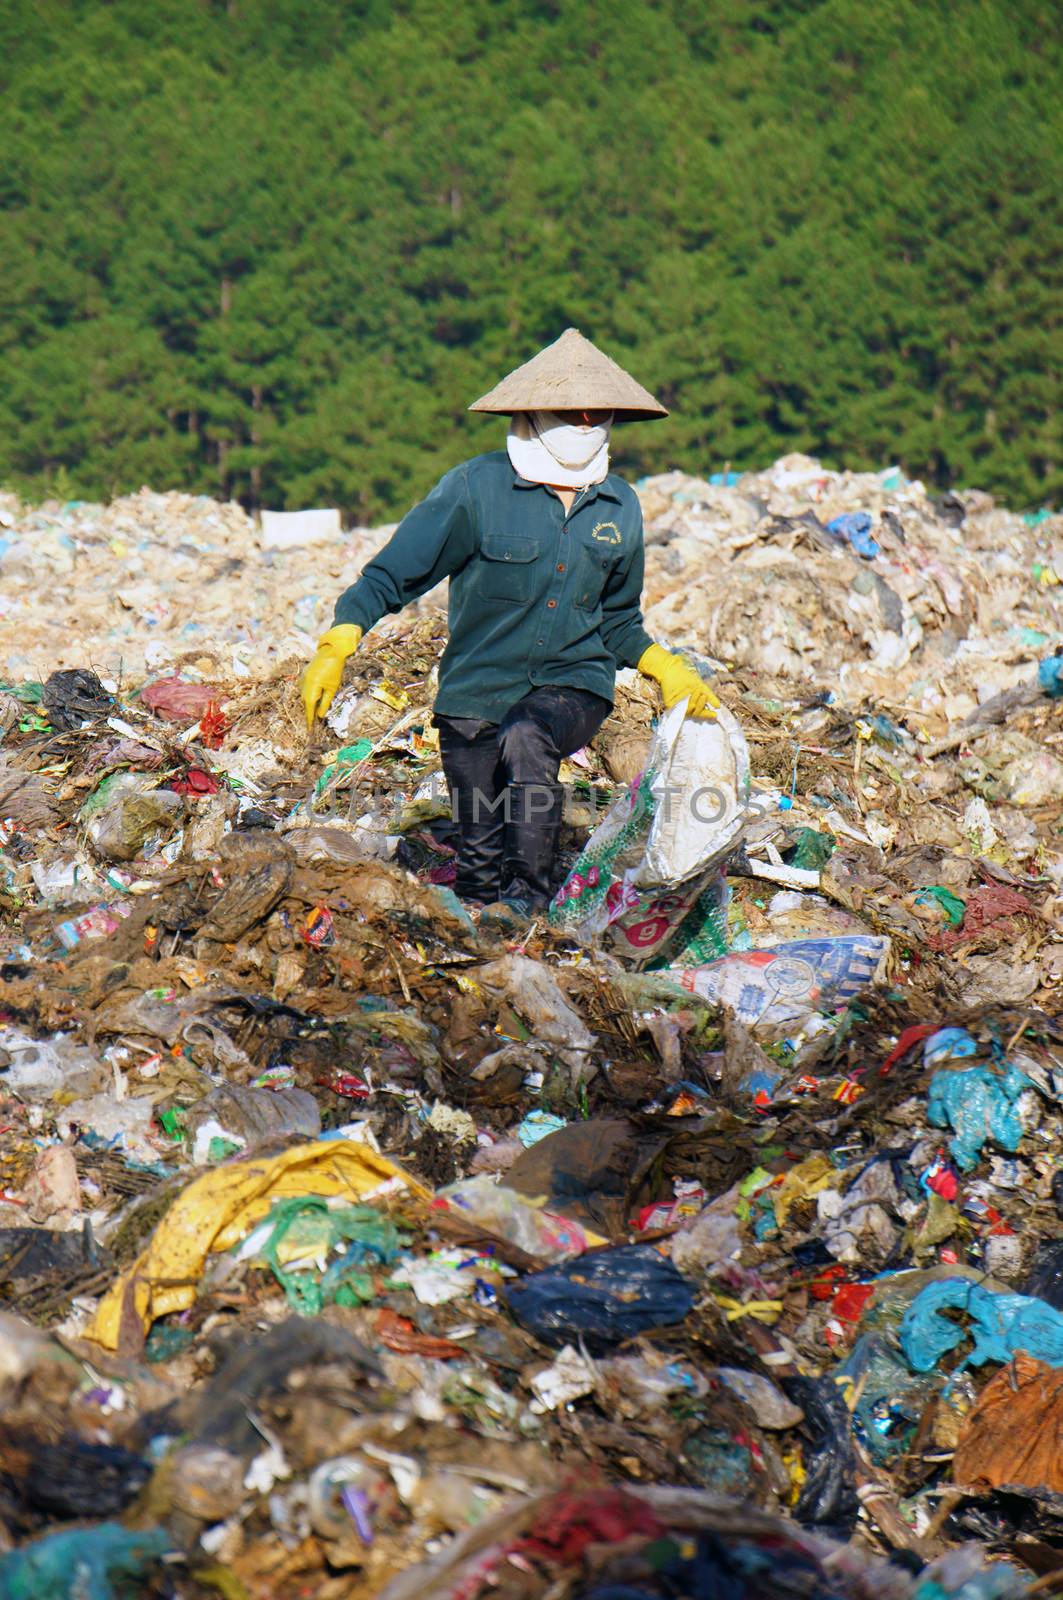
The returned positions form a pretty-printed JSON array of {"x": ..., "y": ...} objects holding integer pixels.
[
  {"x": 858, "y": 1224},
  {"x": 1012, "y": 1435},
  {"x": 994, "y": 902},
  {"x": 177, "y": 701},
  {"x": 70, "y": 697},
  {"x": 770, "y": 989},
  {"x": 947, "y": 1044},
  {"x": 828, "y": 1497},
  {"x": 1000, "y": 1325},
  {"x": 889, "y": 1401},
  {"x": 657, "y": 850}
]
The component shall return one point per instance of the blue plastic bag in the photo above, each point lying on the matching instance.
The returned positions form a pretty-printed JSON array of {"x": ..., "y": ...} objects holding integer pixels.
[
  {"x": 947, "y": 1044},
  {"x": 855, "y": 527},
  {"x": 1001, "y": 1324},
  {"x": 539, "y": 1125},
  {"x": 1050, "y": 676}
]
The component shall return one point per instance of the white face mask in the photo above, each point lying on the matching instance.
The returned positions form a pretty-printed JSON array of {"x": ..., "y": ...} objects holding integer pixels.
[{"x": 544, "y": 449}]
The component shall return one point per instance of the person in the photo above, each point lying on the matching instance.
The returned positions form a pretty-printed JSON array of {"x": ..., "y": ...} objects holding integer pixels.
[{"x": 543, "y": 547}]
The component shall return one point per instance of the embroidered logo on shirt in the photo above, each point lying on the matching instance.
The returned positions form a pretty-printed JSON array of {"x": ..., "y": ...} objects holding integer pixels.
[{"x": 606, "y": 533}]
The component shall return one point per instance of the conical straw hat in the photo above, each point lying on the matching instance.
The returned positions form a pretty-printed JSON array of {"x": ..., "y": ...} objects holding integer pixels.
[{"x": 571, "y": 375}]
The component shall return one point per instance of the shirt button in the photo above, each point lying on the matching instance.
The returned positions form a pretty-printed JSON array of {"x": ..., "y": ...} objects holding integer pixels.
[
  {"x": 560, "y": 566},
  {"x": 550, "y": 604},
  {"x": 540, "y": 641}
]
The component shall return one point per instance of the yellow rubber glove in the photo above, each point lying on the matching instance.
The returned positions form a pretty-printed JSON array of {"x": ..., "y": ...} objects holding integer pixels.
[
  {"x": 678, "y": 681},
  {"x": 321, "y": 678}
]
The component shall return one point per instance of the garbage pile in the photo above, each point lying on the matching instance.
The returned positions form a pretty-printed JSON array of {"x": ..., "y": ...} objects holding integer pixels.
[{"x": 703, "y": 1237}]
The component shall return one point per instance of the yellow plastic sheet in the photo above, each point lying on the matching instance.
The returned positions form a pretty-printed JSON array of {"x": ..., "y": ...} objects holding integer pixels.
[
  {"x": 809, "y": 1178},
  {"x": 219, "y": 1209}
]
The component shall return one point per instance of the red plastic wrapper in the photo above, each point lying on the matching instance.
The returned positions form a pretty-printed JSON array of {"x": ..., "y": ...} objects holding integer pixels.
[
  {"x": 213, "y": 726},
  {"x": 347, "y": 1085},
  {"x": 847, "y": 1299},
  {"x": 319, "y": 930},
  {"x": 399, "y": 1334},
  {"x": 826, "y": 1285},
  {"x": 575, "y": 1519},
  {"x": 195, "y": 782},
  {"x": 122, "y": 753},
  {"x": 942, "y": 1179},
  {"x": 176, "y": 700},
  {"x": 907, "y": 1041},
  {"x": 851, "y": 1299}
]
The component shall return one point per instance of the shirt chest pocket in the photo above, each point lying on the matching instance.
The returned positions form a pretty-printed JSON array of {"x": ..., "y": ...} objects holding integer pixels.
[
  {"x": 592, "y": 569},
  {"x": 508, "y": 567}
]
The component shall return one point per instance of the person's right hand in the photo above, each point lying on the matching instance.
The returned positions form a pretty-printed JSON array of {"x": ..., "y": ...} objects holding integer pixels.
[{"x": 321, "y": 677}]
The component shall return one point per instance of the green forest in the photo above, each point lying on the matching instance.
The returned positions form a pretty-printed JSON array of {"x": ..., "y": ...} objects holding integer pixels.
[{"x": 271, "y": 249}]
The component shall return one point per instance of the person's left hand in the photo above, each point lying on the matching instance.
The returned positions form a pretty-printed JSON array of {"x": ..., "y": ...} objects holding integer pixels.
[{"x": 678, "y": 681}]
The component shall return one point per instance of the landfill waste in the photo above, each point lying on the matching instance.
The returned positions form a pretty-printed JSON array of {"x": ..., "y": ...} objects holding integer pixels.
[{"x": 700, "y": 1236}]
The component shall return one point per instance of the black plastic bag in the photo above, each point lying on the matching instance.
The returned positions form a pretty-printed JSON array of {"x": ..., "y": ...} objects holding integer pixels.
[
  {"x": 48, "y": 1254},
  {"x": 595, "y": 1172},
  {"x": 602, "y": 1297},
  {"x": 1045, "y": 1280},
  {"x": 74, "y": 696},
  {"x": 828, "y": 1496},
  {"x": 76, "y": 1478},
  {"x": 1057, "y": 1191}
]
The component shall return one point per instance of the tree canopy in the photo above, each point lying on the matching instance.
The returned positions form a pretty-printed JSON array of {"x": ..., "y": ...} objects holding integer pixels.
[{"x": 273, "y": 248}]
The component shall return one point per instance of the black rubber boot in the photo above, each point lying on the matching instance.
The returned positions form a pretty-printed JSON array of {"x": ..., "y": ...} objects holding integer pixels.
[{"x": 531, "y": 838}]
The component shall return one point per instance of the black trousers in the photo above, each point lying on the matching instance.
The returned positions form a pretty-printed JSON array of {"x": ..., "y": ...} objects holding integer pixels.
[{"x": 504, "y": 793}]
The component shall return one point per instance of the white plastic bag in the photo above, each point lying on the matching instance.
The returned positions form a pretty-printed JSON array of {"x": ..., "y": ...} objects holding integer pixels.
[{"x": 660, "y": 846}]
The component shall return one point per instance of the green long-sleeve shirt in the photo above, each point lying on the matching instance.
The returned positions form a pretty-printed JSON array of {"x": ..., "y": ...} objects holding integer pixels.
[{"x": 536, "y": 596}]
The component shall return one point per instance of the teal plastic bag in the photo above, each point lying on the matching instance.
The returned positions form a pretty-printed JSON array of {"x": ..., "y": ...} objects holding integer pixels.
[
  {"x": 1000, "y": 1325},
  {"x": 980, "y": 1104},
  {"x": 108, "y": 1562}
]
